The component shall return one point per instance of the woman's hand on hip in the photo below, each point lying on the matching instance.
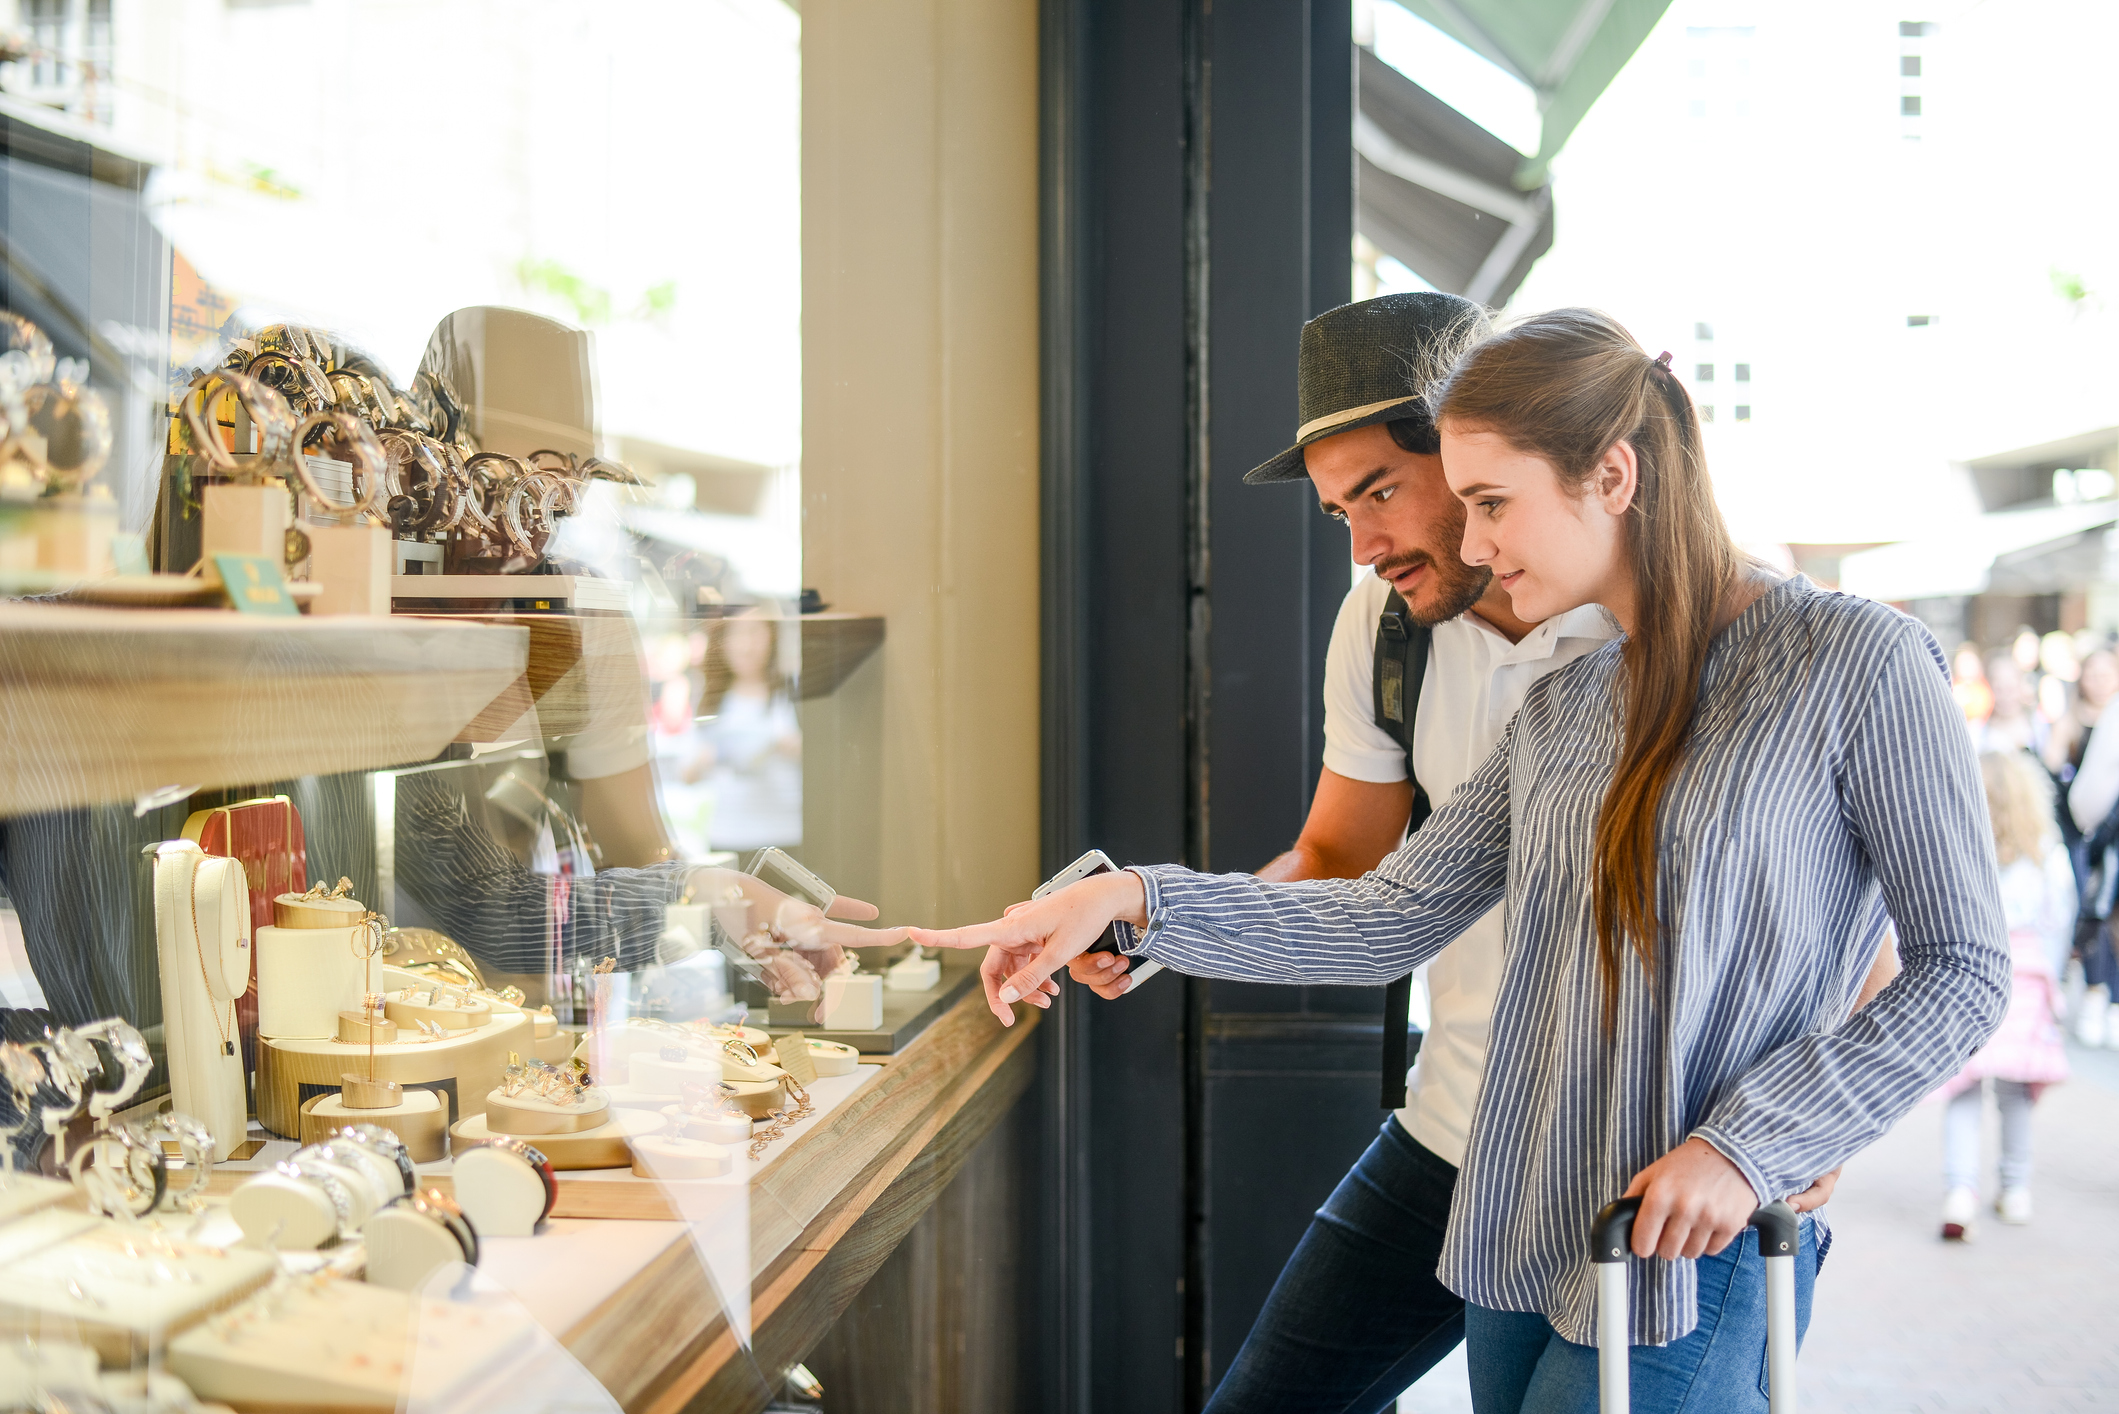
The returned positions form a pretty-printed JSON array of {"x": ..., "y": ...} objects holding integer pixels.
[
  {"x": 1693, "y": 1201},
  {"x": 1037, "y": 939}
]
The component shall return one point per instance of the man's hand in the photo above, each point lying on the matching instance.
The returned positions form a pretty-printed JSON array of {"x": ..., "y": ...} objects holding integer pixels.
[
  {"x": 1035, "y": 940},
  {"x": 1693, "y": 1201},
  {"x": 1103, "y": 973}
]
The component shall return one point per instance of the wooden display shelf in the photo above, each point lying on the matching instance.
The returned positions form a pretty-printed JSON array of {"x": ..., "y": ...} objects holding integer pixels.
[
  {"x": 823, "y": 1218},
  {"x": 577, "y": 659},
  {"x": 98, "y": 705}
]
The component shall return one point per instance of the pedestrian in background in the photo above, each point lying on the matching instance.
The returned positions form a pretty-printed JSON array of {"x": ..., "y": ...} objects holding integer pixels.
[
  {"x": 2091, "y": 826},
  {"x": 2025, "y": 1055}
]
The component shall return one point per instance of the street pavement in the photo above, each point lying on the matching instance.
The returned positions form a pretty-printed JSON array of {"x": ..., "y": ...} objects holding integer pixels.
[{"x": 2021, "y": 1320}]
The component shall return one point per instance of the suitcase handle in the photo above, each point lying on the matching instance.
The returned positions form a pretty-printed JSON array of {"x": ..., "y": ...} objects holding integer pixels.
[{"x": 1779, "y": 1233}]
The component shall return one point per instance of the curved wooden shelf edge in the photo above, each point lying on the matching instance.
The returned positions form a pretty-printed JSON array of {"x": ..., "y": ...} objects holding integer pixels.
[{"x": 823, "y": 1218}]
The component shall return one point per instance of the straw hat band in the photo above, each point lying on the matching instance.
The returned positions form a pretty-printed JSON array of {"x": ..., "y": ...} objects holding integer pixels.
[{"x": 1319, "y": 424}]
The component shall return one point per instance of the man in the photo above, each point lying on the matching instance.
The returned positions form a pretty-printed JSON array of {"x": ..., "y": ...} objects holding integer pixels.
[{"x": 1357, "y": 1314}]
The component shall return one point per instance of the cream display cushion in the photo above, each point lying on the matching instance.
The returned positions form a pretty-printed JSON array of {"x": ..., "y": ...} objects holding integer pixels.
[
  {"x": 651, "y": 1074},
  {"x": 833, "y": 1057},
  {"x": 274, "y": 1210},
  {"x": 407, "y": 1247},
  {"x": 133, "y": 1300},
  {"x": 721, "y": 1128},
  {"x": 500, "y": 1192},
  {"x": 669, "y": 1156},
  {"x": 340, "y": 1345},
  {"x": 532, "y": 1117}
]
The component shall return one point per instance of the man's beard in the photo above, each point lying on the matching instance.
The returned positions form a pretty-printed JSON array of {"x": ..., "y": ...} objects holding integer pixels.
[{"x": 1455, "y": 587}]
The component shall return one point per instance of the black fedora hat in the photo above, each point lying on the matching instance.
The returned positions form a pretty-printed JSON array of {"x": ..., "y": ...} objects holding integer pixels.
[{"x": 1366, "y": 362}]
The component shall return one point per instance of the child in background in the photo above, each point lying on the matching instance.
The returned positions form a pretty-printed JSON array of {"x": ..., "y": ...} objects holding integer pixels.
[{"x": 2026, "y": 1054}]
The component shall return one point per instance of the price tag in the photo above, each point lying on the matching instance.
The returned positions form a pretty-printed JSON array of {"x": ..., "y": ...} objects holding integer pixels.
[{"x": 254, "y": 585}]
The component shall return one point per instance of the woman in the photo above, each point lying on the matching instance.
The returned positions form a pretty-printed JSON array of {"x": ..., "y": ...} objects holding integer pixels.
[
  {"x": 2025, "y": 1055},
  {"x": 1690, "y": 827}
]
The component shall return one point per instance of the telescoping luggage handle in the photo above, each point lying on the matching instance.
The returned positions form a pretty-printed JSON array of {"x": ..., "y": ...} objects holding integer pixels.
[{"x": 1608, "y": 1243}]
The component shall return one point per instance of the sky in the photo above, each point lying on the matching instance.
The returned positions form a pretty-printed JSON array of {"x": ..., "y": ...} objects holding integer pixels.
[{"x": 1751, "y": 170}]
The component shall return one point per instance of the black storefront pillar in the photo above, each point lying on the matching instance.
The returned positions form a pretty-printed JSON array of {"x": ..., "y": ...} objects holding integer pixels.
[{"x": 1198, "y": 207}]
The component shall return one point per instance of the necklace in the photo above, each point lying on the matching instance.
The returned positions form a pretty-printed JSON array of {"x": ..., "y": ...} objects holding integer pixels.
[{"x": 198, "y": 942}]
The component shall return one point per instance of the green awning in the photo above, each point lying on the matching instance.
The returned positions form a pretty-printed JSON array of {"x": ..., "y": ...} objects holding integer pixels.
[{"x": 1568, "y": 51}]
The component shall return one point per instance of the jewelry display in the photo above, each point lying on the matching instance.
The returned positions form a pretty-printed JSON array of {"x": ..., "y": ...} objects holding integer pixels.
[
  {"x": 194, "y": 1153},
  {"x": 384, "y": 1146},
  {"x": 538, "y": 1098},
  {"x": 202, "y": 932},
  {"x": 128, "y": 1049},
  {"x": 367, "y": 1186},
  {"x": 504, "y": 1186},
  {"x": 65, "y": 1087},
  {"x": 413, "y": 1236},
  {"x": 319, "y": 1342},
  {"x": 832, "y": 1057},
  {"x": 292, "y": 1206},
  {"x": 120, "y": 1172},
  {"x": 312, "y": 962},
  {"x": 782, "y": 1118},
  {"x": 120, "y": 1287},
  {"x": 22, "y": 1192}
]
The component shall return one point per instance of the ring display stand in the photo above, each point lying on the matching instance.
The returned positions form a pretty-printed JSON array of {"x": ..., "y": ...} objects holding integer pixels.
[
  {"x": 420, "y": 1120},
  {"x": 474, "y": 1059},
  {"x": 714, "y": 1129},
  {"x": 529, "y": 1117},
  {"x": 604, "y": 1147},
  {"x": 671, "y": 1156}
]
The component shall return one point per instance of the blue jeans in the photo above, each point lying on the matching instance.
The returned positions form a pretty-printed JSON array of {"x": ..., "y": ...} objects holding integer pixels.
[
  {"x": 1519, "y": 1365},
  {"x": 1357, "y": 1314}
]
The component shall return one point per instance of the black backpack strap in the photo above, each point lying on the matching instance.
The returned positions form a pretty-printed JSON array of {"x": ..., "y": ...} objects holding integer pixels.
[{"x": 1401, "y": 667}]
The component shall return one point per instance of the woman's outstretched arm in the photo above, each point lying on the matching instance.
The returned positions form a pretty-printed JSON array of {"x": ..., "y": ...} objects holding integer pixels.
[{"x": 1360, "y": 931}]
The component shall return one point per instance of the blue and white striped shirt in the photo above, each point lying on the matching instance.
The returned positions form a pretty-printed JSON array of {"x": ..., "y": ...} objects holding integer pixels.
[{"x": 1827, "y": 760}]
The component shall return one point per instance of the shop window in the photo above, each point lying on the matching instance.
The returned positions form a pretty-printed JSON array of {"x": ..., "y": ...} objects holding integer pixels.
[
  {"x": 1909, "y": 66},
  {"x": 1909, "y": 105},
  {"x": 1743, "y": 373},
  {"x": 1703, "y": 373},
  {"x": 1706, "y": 412},
  {"x": 1703, "y": 332},
  {"x": 1743, "y": 412}
]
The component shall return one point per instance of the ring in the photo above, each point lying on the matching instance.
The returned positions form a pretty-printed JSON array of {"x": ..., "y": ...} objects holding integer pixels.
[
  {"x": 129, "y": 1048},
  {"x": 119, "y": 1172},
  {"x": 327, "y": 1183},
  {"x": 194, "y": 1144},
  {"x": 385, "y": 1143}
]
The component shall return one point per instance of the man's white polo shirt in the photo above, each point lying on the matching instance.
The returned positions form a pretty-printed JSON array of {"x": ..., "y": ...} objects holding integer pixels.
[{"x": 1476, "y": 679}]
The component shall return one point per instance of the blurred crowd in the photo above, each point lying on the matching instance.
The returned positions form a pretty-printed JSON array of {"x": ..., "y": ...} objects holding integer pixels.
[
  {"x": 2046, "y": 696},
  {"x": 2043, "y": 718}
]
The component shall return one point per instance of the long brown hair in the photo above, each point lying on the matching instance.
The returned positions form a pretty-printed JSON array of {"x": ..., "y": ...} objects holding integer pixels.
[{"x": 1566, "y": 387}]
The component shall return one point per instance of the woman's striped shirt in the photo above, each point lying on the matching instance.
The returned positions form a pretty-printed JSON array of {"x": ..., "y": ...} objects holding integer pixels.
[{"x": 1827, "y": 764}]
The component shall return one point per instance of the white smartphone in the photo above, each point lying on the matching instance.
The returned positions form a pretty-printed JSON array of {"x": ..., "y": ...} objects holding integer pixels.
[{"x": 1088, "y": 866}]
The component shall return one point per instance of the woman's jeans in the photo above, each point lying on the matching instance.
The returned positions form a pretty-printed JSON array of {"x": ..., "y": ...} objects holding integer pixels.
[
  {"x": 1357, "y": 1314},
  {"x": 1520, "y": 1366},
  {"x": 1960, "y": 1135}
]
